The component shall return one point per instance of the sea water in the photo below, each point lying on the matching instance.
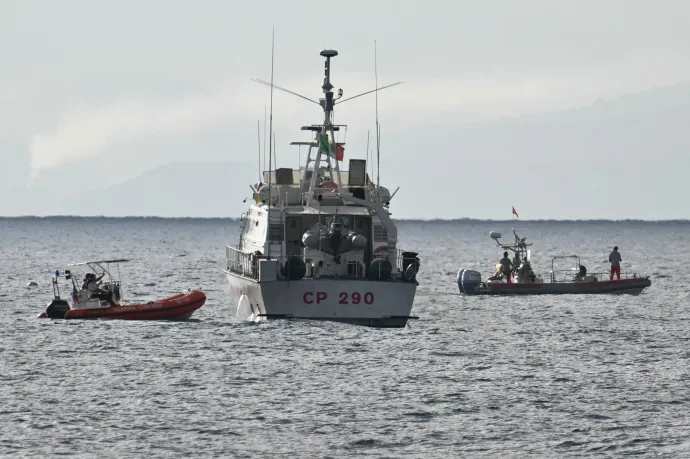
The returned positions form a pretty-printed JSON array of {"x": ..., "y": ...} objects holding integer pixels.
[{"x": 549, "y": 376}]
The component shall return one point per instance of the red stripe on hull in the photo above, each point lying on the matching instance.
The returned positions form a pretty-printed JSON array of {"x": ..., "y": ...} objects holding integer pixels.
[{"x": 603, "y": 287}]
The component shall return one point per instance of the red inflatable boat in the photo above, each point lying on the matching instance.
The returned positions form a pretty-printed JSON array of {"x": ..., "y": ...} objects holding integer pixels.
[
  {"x": 178, "y": 307},
  {"x": 102, "y": 300}
]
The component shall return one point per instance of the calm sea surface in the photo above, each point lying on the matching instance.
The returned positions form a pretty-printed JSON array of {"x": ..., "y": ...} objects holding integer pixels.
[{"x": 566, "y": 376}]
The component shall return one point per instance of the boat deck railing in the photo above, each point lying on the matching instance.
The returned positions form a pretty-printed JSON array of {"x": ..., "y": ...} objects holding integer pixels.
[
  {"x": 242, "y": 263},
  {"x": 399, "y": 259},
  {"x": 571, "y": 276},
  {"x": 247, "y": 265}
]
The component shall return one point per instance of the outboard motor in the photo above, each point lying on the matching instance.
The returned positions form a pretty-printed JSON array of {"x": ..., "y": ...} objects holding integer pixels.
[
  {"x": 57, "y": 308},
  {"x": 458, "y": 280},
  {"x": 468, "y": 281}
]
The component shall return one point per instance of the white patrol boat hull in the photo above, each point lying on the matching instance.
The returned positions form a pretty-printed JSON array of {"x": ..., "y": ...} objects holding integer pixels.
[{"x": 385, "y": 304}]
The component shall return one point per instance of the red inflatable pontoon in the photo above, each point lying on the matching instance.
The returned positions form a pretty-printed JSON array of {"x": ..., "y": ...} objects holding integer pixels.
[{"x": 102, "y": 300}]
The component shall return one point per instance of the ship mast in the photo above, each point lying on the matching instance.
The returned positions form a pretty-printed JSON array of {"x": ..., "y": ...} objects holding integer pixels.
[{"x": 325, "y": 133}]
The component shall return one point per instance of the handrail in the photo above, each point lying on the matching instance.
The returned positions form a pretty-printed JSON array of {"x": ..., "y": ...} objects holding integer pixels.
[
  {"x": 247, "y": 264},
  {"x": 243, "y": 263},
  {"x": 601, "y": 276}
]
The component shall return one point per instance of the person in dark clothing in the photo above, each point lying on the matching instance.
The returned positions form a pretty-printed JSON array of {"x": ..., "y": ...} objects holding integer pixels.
[
  {"x": 507, "y": 267},
  {"x": 615, "y": 260}
]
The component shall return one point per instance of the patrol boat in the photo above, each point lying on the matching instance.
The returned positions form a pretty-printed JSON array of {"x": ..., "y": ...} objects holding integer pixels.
[
  {"x": 318, "y": 242},
  {"x": 574, "y": 280}
]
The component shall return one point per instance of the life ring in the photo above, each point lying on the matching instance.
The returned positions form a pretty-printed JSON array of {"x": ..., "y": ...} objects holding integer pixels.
[
  {"x": 381, "y": 251},
  {"x": 329, "y": 184}
]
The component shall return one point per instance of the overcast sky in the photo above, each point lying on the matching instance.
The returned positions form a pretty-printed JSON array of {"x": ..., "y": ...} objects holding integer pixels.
[{"x": 135, "y": 84}]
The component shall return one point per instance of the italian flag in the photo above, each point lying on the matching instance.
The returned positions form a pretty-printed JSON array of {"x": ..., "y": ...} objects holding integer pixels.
[{"x": 326, "y": 149}]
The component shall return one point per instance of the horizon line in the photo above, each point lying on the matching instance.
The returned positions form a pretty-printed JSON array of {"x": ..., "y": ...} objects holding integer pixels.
[{"x": 409, "y": 220}]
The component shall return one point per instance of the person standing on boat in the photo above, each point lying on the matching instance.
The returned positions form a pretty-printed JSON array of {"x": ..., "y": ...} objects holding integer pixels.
[
  {"x": 516, "y": 262},
  {"x": 525, "y": 273},
  {"x": 507, "y": 267},
  {"x": 615, "y": 260}
]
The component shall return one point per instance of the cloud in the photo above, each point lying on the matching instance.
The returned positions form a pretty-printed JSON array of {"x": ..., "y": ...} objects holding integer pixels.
[{"x": 87, "y": 131}]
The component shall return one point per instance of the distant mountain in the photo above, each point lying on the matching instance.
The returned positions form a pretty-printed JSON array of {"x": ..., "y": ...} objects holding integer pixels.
[
  {"x": 624, "y": 158},
  {"x": 189, "y": 189}
]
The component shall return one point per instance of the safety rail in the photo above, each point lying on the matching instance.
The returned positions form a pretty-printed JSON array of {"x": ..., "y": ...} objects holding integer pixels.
[
  {"x": 243, "y": 263},
  {"x": 399, "y": 259},
  {"x": 247, "y": 265},
  {"x": 571, "y": 276}
]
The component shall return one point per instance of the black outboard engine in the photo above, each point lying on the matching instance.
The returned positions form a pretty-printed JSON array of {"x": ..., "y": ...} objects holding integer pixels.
[
  {"x": 57, "y": 308},
  {"x": 458, "y": 280}
]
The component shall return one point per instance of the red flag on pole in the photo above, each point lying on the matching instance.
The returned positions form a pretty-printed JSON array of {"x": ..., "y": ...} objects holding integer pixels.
[
  {"x": 515, "y": 212},
  {"x": 339, "y": 152}
]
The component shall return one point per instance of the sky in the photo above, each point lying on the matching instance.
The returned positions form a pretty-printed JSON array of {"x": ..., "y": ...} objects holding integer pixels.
[{"x": 114, "y": 89}]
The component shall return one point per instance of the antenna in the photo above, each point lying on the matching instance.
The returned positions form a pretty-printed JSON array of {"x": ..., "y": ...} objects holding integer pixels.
[
  {"x": 262, "y": 178},
  {"x": 275, "y": 155},
  {"x": 371, "y": 177},
  {"x": 369, "y": 92},
  {"x": 378, "y": 132},
  {"x": 299, "y": 162},
  {"x": 284, "y": 90},
  {"x": 340, "y": 91},
  {"x": 378, "y": 159},
  {"x": 365, "y": 170},
  {"x": 258, "y": 137},
  {"x": 270, "y": 166}
]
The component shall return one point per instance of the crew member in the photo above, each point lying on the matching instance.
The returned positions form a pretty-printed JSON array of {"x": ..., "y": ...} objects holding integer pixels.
[
  {"x": 525, "y": 274},
  {"x": 507, "y": 267},
  {"x": 615, "y": 260}
]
